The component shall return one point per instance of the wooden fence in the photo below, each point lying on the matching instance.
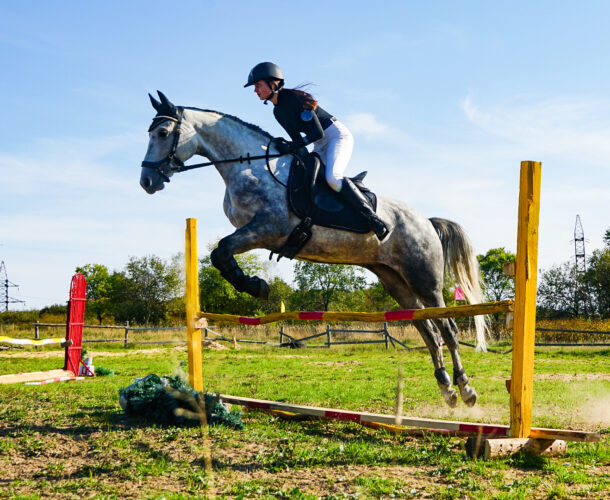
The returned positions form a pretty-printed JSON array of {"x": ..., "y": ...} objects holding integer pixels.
[
  {"x": 125, "y": 328},
  {"x": 380, "y": 336}
]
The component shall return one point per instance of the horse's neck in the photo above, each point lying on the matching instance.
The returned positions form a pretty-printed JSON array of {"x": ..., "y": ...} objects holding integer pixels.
[{"x": 221, "y": 137}]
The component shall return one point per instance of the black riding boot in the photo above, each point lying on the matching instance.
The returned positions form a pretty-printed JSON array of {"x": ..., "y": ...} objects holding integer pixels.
[{"x": 352, "y": 195}]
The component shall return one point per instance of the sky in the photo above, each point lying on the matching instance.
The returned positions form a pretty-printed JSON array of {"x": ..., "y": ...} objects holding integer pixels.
[{"x": 444, "y": 100}]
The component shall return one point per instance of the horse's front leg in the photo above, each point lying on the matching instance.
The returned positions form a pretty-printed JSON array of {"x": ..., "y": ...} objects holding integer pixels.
[{"x": 246, "y": 238}]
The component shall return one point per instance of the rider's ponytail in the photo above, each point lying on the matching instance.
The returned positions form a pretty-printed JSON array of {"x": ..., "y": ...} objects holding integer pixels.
[{"x": 307, "y": 100}]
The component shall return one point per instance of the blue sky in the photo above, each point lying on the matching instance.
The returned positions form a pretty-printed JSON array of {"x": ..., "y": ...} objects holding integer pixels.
[{"x": 444, "y": 99}]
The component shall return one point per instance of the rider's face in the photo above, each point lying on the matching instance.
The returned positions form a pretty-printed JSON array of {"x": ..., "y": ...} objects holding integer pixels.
[{"x": 262, "y": 90}]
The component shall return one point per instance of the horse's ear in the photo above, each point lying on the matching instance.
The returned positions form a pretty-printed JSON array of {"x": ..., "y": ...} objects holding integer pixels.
[
  {"x": 164, "y": 100},
  {"x": 155, "y": 104},
  {"x": 167, "y": 108}
]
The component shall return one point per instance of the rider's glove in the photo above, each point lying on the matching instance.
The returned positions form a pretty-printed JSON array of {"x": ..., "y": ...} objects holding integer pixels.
[{"x": 283, "y": 146}]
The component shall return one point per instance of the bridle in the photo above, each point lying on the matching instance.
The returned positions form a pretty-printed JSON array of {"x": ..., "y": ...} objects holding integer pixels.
[{"x": 172, "y": 164}]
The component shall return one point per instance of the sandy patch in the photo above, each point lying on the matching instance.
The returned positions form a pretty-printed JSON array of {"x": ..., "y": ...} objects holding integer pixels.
[
  {"x": 205, "y": 344},
  {"x": 570, "y": 377},
  {"x": 335, "y": 363}
]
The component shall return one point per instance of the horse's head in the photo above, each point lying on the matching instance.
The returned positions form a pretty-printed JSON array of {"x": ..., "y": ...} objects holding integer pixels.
[{"x": 170, "y": 144}]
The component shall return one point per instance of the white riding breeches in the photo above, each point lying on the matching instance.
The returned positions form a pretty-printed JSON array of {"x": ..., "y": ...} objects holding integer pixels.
[{"x": 335, "y": 149}]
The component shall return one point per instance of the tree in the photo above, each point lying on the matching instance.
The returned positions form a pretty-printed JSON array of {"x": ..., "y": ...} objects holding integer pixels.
[
  {"x": 279, "y": 291},
  {"x": 449, "y": 285},
  {"x": 598, "y": 280},
  {"x": 375, "y": 298},
  {"x": 559, "y": 292},
  {"x": 145, "y": 290},
  {"x": 607, "y": 238},
  {"x": 319, "y": 285},
  {"x": 98, "y": 289},
  {"x": 497, "y": 286}
]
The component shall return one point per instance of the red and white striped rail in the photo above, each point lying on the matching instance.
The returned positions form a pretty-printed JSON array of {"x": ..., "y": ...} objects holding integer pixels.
[
  {"x": 445, "y": 426},
  {"x": 58, "y": 379},
  {"x": 372, "y": 317}
]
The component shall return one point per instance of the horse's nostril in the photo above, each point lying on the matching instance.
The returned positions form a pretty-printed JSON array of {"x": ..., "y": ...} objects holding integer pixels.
[{"x": 146, "y": 183}]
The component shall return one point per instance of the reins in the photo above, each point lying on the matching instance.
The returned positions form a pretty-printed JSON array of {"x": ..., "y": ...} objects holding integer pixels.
[{"x": 165, "y": 168}]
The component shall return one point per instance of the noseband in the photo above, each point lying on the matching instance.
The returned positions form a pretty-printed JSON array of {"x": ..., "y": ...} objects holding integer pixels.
[{"x": 172, "y": 164}]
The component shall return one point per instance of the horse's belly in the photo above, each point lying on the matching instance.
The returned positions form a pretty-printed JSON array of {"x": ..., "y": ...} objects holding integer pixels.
[{"x": 341, "y": 247}]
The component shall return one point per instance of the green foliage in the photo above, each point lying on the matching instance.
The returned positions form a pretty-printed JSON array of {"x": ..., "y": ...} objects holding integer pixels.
[
  {"x": 144, "y": 291},
  {"x": 54, "y": 309},
  {"x": 598, "y": 279},
  {"x": 564, "y": 292},
  {"x": 98, "y": 288},
  {"x": 558, "y": 292},
  {"x": 18, "y": 317},
  {"x": 279, "y": 291},
  {"x": 375, "y": 298},
  {"x": 449, "y": 284},
  {"x": 497, "y": 286},
  {"x": 54, "y": 313},
  {"x": 319, "y": 285},
  {"x": 155, "y": 399}
]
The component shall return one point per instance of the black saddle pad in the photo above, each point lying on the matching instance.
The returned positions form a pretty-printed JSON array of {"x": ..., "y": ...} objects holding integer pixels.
[{"x": 309, "y": 195}]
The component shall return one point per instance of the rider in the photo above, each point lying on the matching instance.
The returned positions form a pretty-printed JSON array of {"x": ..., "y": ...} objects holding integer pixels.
[{"x": 298, "y": 113}]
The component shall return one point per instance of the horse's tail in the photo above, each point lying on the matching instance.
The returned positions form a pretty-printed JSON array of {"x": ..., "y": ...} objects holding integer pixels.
[{"x": 461, "y": 261}]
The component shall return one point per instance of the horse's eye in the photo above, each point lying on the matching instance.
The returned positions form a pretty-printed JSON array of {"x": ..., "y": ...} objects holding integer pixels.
[{"x": 163, "y": 134}]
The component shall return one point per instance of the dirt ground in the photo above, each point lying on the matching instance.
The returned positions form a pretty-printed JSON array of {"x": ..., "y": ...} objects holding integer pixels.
[{"x": 65, "y": 456}]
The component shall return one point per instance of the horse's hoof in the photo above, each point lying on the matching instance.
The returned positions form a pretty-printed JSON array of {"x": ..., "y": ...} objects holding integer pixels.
[
  {"x": 469, "y": 395},
  {"x": 449, "y": 395}
]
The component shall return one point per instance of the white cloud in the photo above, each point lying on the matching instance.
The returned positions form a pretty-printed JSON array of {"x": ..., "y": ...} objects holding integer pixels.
[
  {"x": 366, "y": 124},
  {"x": 476, "y": 183},
  {"x": 579, "y": 128}
]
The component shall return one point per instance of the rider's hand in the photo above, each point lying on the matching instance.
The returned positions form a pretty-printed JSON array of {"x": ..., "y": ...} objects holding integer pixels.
[{"x": 283, "y": 146}]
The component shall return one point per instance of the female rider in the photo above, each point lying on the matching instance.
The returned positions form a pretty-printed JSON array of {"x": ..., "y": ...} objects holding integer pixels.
[{"x": 298, "y": 113}]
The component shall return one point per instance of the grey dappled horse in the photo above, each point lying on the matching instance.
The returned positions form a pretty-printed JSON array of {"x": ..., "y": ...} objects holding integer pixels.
[{"x": 410, "y": 262}]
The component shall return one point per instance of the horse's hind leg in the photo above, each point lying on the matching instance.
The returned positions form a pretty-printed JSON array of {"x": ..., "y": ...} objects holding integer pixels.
[
  {"x": 431, "y": 337},
  {"x": 449, "y": 332},
  {"x": 400, "y": 291},
  {"x": 426, "y": 279}
]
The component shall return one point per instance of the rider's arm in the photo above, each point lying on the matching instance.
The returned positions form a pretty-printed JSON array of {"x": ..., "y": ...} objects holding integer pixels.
[{"x": 290, "y": 114}]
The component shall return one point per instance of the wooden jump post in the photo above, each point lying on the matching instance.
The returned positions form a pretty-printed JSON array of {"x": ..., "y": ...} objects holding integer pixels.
[
  {"x": 522, "y": 382},
  {"x": 193, "y": 332},
  {"x": 485, "y": 436}
]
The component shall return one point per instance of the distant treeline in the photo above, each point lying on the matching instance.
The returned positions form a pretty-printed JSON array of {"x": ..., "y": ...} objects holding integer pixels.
[{"x": 150, "y": 290}]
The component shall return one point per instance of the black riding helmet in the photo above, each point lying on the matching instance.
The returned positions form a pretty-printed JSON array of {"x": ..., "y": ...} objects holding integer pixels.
[{"x": 265, "y": 71}]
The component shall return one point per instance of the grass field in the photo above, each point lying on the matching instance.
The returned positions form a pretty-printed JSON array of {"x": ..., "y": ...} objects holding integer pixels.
[{"x": 69, "y": 440}]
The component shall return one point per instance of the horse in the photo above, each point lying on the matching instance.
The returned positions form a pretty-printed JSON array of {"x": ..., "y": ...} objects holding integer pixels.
[{"x": 410, "y": 262}]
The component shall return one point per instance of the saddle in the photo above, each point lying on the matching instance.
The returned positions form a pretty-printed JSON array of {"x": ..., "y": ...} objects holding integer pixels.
[
  {"x": 312, "y": 199},
  {"x": 309, "y": 195}
]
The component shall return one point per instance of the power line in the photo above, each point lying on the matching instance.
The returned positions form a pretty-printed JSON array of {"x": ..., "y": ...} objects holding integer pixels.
[
  {"x": 582, "y": 295},
  {"x": 5, "y": 284},
  {"x": 579, "y": 247}
]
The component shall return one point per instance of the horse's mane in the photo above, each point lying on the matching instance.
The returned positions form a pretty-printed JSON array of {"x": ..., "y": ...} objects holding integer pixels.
[{"x": 251, "y": 126}]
